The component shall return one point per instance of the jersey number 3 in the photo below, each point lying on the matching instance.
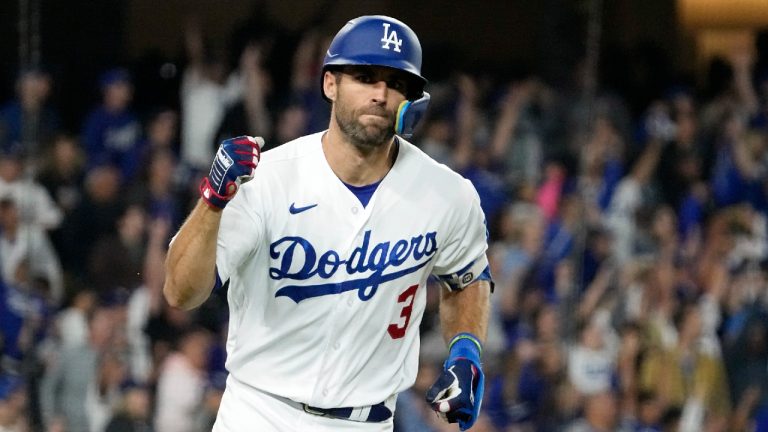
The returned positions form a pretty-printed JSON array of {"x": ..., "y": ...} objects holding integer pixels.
[{"x": 397, "y": 331}]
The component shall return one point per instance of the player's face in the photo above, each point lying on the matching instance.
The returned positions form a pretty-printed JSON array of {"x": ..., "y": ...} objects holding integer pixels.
[{"x": 367, "y": 99}]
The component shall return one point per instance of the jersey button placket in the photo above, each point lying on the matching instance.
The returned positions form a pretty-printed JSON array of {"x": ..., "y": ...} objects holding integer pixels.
[
  {"x": 355, "y": 210},
  {"x": 337, "y": 320}
]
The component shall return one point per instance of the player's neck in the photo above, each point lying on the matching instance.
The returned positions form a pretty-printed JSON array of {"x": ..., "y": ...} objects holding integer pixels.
[{"x": 356, "y": 166}]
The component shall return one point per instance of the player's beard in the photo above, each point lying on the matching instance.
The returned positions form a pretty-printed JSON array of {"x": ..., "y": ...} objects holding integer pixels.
[{"x": 365, "y": 136}]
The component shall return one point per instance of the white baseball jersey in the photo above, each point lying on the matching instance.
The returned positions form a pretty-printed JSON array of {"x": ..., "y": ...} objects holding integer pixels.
[{"x": 326, "y": 295}]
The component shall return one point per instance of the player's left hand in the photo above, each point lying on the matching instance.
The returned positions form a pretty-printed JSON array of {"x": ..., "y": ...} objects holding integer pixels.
[{"x": 457, "y": 394}]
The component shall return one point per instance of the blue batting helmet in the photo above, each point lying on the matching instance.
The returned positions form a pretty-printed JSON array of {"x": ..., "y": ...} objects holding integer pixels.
[{"x": 378, "y": 40}]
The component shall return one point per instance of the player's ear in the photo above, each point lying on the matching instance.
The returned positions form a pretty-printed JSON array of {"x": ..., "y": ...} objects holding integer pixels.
[{"x": 330, "y": 85}]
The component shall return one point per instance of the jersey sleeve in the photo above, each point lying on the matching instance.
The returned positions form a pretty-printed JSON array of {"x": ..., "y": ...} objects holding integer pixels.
[
  {"x": 462, "y": 259},
  {"x": 240, "y": 233}
]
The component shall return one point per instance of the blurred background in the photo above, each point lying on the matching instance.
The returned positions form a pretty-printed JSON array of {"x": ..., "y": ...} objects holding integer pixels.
[{"x": 619, "y": 148}]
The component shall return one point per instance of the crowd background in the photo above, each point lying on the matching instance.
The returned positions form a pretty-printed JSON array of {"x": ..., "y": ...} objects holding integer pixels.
[{"x": 628, "y": 239}]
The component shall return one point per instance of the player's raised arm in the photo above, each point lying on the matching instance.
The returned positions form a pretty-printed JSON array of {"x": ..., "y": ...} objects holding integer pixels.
[{"x": 191, "y": 262}]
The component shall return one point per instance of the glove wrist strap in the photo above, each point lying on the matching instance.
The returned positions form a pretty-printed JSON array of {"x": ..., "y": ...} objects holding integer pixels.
[
  {"x": 211, "y": 197},
  {"x": 464, "y": 345}
]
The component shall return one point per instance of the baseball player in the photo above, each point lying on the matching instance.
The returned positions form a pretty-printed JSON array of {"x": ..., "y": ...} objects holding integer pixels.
[{"x": 327, "y": 249}]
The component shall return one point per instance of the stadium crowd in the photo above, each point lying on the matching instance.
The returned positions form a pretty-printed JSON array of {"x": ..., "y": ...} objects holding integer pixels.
[{"x": 629, "y": 247}]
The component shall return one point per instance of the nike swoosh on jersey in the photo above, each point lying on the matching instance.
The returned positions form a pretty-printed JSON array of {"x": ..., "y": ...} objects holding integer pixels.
[
  {"x": 296, "y": 210},
  {"x": 328, "y": 53}
]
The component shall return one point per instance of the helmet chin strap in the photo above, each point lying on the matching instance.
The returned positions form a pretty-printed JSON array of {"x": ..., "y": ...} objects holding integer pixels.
[{"x": 409, "y": 113}]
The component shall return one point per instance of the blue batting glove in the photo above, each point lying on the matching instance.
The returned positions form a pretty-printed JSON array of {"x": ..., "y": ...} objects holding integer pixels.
[
  {"x": 233, "y": 165},
  {"x": 457, "y": 394}
]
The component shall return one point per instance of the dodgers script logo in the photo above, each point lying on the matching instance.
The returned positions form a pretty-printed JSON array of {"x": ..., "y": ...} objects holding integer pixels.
[
  {"x": 297, "y": 259},
  {"x": 390, "y": 38}
]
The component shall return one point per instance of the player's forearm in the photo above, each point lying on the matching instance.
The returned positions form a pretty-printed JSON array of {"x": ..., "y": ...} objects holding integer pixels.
[
  {"x": 466, "y": 311},
  {"x": 191, "y": 262}
]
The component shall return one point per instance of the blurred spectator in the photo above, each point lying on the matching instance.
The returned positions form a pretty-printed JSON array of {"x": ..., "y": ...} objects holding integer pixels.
[
  {"x": 549, "y": 193},
  {"x": 206, "y": 93},
  {"x": 721, "y": 98},
  {"x": 313, "y": 112},
  {"x": 601, "y": 414},
  {"x": 437, "y": 137},
  {"x": 749, "y": 414},
  {"x": 72, "y": 322},
  {"x": 182, "y": 383},
  {"x": 161, "y": 136},
  {"x": 670, "y": 420},
  {"x": 22, "y": 242},
  {"x": 74, "y": 375},
  {"x": 94, "y": 218},
  {"x": 147, "y": 301},
  {"x": 160, "y": 193},
  {"x": 133, "y": 413},
  {"x": 32, "y": 200},
  {"x": 206, "y": 416},
  {"x": 531, "y": 393},
  {"x": 116, "y": 261},
  {"x": 112, "y": 131},
  {"x": 13, "y": 404},
  {"x": 680, "y": 164},
  {"x": 521, "y": 233},
  {"x": 739, "y": 169},
  {"x": 512, "y": 257},
  {"x": 591, "y": 361},
  {"x": 649, "y": 413},
  {"x": 603, "y": 160},
  {"x": 631, "y": 194},
  {"x": 163, "y": 328},
  {"x": 697, "y": 377},
  {"x": 24, "y": 320},
  {"x": 62, "y": 172},
  {"x": 62, "y": 175},
  {"x": 28, "y": 123},
  {"x": 631, "y": 348},
  {"x": 291, "y": 121},
  {"x": 472, "y": 157},
  {"x": 105, "y": 394},
  {"x": 295, "y": 63},
  {"x": 746, "y": 354},
  {"x": 517, "y": 141},
  {"x": 559, "y": 241},
  {"x": 661, "y": 239},
  {"x": 249, "y": 115}
]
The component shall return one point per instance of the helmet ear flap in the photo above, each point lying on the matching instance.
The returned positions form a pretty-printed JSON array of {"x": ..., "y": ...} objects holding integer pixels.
[{"x": 409, "y": 113}]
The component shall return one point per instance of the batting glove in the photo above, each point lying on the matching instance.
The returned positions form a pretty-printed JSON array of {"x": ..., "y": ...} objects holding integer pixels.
[
  {"x": 233, "y": 165},
  {"x": 457, "y": 394}
]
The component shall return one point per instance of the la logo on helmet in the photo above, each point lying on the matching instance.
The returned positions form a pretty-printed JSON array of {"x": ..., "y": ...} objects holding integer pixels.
[{"x": 390, "y": 38}]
